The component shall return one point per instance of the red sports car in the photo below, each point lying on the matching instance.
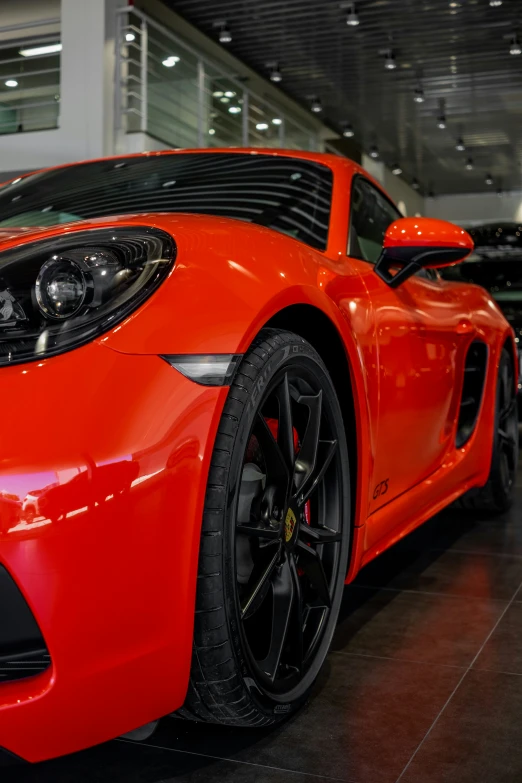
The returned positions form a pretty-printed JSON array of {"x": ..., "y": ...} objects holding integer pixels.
[{"x": 230, "y": 378}]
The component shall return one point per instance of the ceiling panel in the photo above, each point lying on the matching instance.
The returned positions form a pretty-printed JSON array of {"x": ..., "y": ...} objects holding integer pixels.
[{"x": 457, "y": 51}]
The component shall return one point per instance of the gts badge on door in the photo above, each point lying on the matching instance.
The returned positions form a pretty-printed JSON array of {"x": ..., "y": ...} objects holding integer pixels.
[{"x": 380, "y": 489}]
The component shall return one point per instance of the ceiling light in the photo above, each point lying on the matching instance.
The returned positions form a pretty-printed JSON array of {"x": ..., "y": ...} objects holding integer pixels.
[
  {"x": 276, "y": 75},
  {"x": 316, "y": 106},
  {"x": 396, "y": 169},
  {"x": 37, "y": 50},
  {"x": 352, "y": 19},
  {"x": 415, "y": 184},
  {"x": 230, "y": 94},
  {"x": 170, "y": 61},
  {"x": 211, "y": 131},
  {"x": 441, "y": 122},
  {"x": 389, "y": 61},
  {"x": 130, "y": 37},
  {"x": 262, "y": 126},
  {"x": 225, "y": 36},
  {"x": 277, "y": 121},
  {"x": 374, "y": 152},
  {"x": 418, "y": 95},
  {"x": 218, "y": 93},
  {"x": 495, "y": 3},
  {"x": 469, "y": 164},
  {"x": 224, "y": 99},
  {"x": 348, "y": 131},
  {"x": 460, "y": 146},
  {"x": 234, "y": 109},
  {"x": 515, "y": 47},
  {"x": 489, "y": 179},
  {"x": 11, "y": 83}
]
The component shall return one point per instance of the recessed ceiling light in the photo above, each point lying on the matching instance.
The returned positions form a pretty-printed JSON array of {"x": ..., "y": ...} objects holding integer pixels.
[
  {"x": 130, "y": 37},
  {"x": 11, "y": 83},
  {"x": 35, "y": 51},
  {"x": 261, "y": 126},
  {"x": 218, "y": 93},
  {"x": 170, "y": 61},
  {"x": 230, "y": 94},
  {"x": 234, "y": 109},
  {"x": 224, "y": 99},
  {"x": 211, "y": 131},
  {"x": 495, "y": 3},
  {"x": 277, "y": 121}
]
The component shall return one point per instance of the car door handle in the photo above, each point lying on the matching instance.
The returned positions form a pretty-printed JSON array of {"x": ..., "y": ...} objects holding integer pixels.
[{"x": 465, "y": 327}]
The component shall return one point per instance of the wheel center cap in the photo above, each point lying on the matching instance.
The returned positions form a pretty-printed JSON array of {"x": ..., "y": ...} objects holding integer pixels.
[{"x": 290, "y": 526}]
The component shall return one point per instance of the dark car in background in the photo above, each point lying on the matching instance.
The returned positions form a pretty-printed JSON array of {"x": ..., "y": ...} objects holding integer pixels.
[{"x": 496, "y": 264}]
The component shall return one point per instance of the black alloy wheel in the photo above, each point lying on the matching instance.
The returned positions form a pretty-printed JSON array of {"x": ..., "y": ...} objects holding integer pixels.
[{"x": 275, "y": 539}]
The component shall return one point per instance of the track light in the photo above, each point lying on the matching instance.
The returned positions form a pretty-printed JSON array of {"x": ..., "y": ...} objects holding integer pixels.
[
  {"x": 374, "y": 152},
  {"x": 348, "y": 131},
  {"x": 415, "y": 184},
  {"x": 460, "y": 146},
  {"x": 515, "y": 47},
  {"x": 396, "y": 169},
  {"x": 225, "y": 36},
  {"x": 276, "y": 75},
  {"x": 441, "y": 122},
  {"x": 469, "y": 164},
  {"x": 489, "y": 179},
  {"x": 316, "y": 106},
  {"x": 418, "y": 95},
  {"x": 352, "y": 19},
  {"x": 389, "y": 61}
]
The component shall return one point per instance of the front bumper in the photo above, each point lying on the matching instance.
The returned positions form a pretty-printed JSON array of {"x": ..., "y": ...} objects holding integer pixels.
[{"x": 103, "y": 466}]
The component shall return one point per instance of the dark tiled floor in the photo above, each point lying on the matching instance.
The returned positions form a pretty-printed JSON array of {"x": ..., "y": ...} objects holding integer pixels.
[{"x": 423, "y": 683}]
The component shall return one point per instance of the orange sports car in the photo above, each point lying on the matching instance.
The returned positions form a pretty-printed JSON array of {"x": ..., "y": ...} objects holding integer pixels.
[{"x": 230, "y": 378}]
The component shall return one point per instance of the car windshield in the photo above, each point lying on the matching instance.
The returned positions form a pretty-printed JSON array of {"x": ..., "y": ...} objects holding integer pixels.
[
  {"x": 495, "y": 264},
  {"x": 287, "y": 194}
]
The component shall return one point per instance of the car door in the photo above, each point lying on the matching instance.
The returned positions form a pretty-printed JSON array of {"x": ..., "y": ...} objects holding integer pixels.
[{"x": 417, "y": 347}]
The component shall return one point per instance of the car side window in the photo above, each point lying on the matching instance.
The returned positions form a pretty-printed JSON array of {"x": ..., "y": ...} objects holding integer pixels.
[{"x": 371, "y": 214}]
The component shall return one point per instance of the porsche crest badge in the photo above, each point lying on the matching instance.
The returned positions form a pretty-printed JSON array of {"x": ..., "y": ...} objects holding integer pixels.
[{"x": 289, "y": 524}]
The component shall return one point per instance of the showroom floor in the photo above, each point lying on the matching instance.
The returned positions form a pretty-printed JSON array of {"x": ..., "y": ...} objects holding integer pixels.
[{"x": 423, "y": 684}]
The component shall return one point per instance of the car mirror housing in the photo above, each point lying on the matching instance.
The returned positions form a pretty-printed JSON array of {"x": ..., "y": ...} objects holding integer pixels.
[{"x": 411, "y": 244}]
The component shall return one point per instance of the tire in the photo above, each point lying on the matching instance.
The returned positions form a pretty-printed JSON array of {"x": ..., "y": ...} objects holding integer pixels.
[
  {"x": 496, "y": 496},
  {"x": 256, "y": 654}
]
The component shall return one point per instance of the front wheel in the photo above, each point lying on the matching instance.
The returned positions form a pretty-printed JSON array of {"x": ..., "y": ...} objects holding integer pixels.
[{"x": 275, "y": 538}]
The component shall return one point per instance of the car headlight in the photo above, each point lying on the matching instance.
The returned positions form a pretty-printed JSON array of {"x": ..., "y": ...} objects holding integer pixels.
[{"x": 62, "y": 292}]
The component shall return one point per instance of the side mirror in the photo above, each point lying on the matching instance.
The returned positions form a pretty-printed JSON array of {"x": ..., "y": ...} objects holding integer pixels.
[{"x": 413, "y": 243}]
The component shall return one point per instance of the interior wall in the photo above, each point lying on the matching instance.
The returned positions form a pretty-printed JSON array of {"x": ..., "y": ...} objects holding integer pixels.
[
  {"x": 472, "y": 208},
  {"x": 409, "y": 202}
]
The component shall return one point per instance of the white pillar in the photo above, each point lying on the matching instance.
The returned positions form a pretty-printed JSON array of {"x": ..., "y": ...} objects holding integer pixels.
[{"x": 87, "y": 77}]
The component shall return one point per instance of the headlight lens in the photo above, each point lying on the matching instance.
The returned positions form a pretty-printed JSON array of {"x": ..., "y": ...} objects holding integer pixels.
[{"x": 61, "y": 293}]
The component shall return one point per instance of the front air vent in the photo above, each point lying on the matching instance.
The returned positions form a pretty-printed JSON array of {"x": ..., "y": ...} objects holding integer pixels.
[
  {"x": 23, "y": 652},
  {"x": 472, "y": 389}
]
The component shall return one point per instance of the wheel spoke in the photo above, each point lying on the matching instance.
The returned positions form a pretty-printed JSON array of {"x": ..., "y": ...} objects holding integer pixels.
[
  {"x": 285, "y": 430},
  {"x": 311, "y": 564},
  {"x": 259, "y": 581},
  {"x": 319, "y": 535},
  {"x": 326, "y": 449},
  {"x": 307, "y": 456},
  {"x": 507, "y": 439},
  {"x": 298, "y": 620},
  {"x": 283, "y": 590},
  {"x": 259, "y": 531},
  {"x": 277, "y": 471}
]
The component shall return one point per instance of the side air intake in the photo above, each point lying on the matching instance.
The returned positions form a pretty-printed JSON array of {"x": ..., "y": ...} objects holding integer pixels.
[{"x": 472, "y": 389}]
